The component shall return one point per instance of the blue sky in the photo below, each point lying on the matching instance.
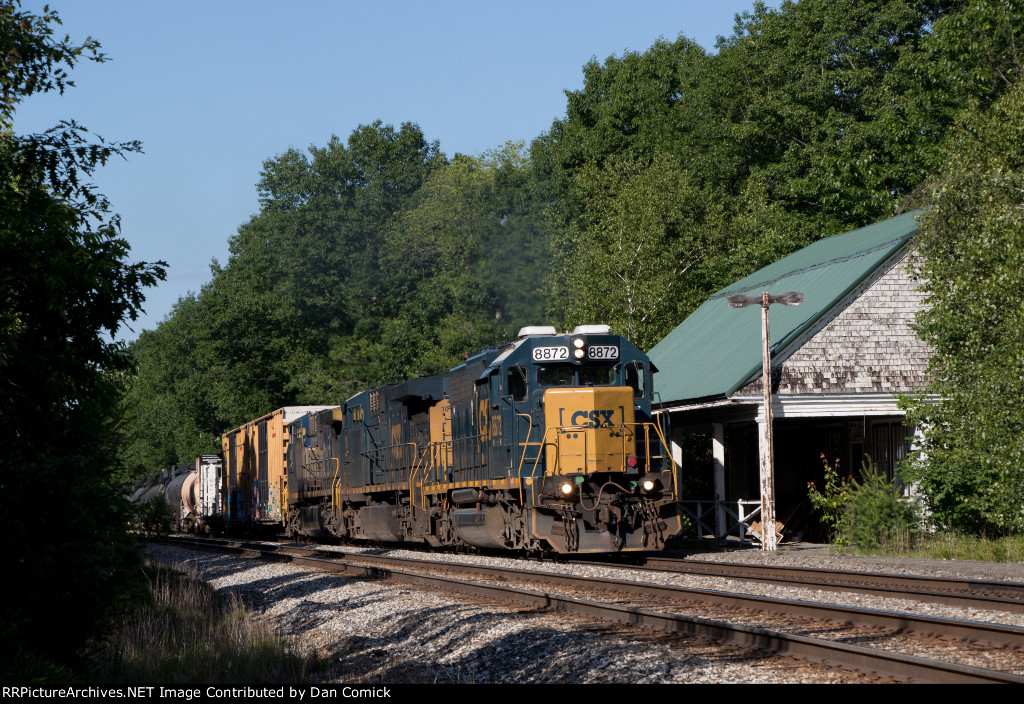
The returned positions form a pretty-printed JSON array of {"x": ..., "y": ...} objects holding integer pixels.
[{"x": 214, "y": 88}]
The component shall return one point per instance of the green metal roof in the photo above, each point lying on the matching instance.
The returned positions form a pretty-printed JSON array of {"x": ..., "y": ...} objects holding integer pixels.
[{"x": 717, "y": 349}]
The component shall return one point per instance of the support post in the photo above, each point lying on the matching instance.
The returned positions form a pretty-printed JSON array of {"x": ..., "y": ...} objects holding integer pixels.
[{"x": 718, "y": 457}]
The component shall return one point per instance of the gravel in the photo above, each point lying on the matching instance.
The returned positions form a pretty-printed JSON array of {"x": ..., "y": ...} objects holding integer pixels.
[{"x": 376, "y": 631}]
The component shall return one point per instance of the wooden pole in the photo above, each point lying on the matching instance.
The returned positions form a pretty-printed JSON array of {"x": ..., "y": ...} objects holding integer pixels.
[{"x": 768, "y": 540}]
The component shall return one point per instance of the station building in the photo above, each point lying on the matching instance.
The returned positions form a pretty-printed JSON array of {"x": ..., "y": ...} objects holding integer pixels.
[{"x": 840, "y": 361}]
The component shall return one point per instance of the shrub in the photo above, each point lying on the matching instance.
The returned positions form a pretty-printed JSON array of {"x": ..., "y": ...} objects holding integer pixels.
[
  {"x": 154, "y": 517},
  {"x": 875, "y": 515},
  {"x": 182, "y": 631}
]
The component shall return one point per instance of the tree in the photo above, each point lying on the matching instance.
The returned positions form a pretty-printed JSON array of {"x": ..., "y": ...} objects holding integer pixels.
[
  {"x": 624, "y": 259},
  {"x": 809, "y": 120},
  {"x": 971, "y": 463},
  {"x": 301, "y": 313},
  {"x": 66, "y": 285},
  {"x": 463, "y": 265}
]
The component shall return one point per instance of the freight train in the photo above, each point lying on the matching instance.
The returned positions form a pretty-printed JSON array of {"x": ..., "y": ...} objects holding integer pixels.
[{"x": 543, "y": 444}]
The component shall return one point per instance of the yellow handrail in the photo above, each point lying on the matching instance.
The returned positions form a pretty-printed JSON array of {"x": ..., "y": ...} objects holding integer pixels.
[
  {"x": 625, "y": 434},
  {"x": 425, "y": 463},
  {"x": 336, "y": 484},
  {"x": 525, "y": 443},
  {"x": 429, "y": 457}
]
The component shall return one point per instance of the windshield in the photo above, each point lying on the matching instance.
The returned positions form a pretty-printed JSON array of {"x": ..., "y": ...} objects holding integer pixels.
[
  {"x": 597, "y": 375},
  {"x": 566, "y": 375},
  {"x": 555, "y": 375}
]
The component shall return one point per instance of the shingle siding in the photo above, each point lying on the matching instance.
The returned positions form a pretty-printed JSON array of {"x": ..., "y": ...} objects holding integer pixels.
[{"x": 867, "y": 348}]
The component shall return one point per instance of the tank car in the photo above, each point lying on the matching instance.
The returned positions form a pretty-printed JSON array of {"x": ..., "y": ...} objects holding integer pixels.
[
  {"x": 196, "y": 496},
  {"x": 193, "y": 493},
  {"x": 544, "y": 444}
]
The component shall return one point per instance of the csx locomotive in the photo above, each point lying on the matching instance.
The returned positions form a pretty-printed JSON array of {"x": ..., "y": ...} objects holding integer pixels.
[{"x": 543, "y": 444}]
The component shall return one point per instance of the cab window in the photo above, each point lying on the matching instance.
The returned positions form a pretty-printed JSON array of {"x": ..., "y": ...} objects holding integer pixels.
[
  {"x": 636, "y": 377},
  {"x": 554, "y": 375},
  {"x": 597, "y": 375},
  {"x": 518, "y": 384}
]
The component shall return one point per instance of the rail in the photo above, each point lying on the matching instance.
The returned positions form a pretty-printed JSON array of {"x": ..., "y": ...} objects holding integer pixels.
[{"x": 686, "y": 610}]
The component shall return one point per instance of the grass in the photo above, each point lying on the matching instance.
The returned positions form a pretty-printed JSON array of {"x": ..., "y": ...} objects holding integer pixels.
[
  {"x": 951, "y": 546},
  {"x": 184, "y": 632},
  {"x": 181, "y": 631}
]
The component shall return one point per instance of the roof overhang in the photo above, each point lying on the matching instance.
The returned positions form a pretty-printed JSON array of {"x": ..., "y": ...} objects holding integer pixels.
[{"x": 805, "y": 405}]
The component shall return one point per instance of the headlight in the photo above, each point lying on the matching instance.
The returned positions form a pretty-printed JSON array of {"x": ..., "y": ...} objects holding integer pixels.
[
  {"x": 567, "y": 488},
  {"x": 650, "y": 484}
]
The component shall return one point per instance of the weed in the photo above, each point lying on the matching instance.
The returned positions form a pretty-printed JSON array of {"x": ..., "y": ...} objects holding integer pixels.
[
  {"x": 184, "y": 632},
  {"x": 832, "y": 501}
]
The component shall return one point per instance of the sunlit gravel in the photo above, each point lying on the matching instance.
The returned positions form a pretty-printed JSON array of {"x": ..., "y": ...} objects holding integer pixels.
[{"x": 377, "y": 631}]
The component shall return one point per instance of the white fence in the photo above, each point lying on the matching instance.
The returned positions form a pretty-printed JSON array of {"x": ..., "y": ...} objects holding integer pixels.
[{"x": 721, "y": 520}]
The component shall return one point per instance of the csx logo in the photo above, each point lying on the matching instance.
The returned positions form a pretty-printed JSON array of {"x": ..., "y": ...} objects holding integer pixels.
[{"x": 593, "y": 419}]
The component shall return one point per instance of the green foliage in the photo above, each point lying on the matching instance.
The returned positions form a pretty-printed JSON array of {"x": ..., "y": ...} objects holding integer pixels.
[
  {"x": 463, "y": 265},
  {"x": 875, "y": 515},
  {"x": 640, "y": 225},
  {"x": 371, "y": 261},
  {"x": 971, "y": 463},
  {"x": 957, "y": 546},
  {"x": 832, "y": 501},
  {"x": 868, "y": 514},
  {"x": 153, "y": 518},
  {"x": 952, "y": 545},
  {"x": 66, "y": 286},
  {"x": 675, "y": 172}
]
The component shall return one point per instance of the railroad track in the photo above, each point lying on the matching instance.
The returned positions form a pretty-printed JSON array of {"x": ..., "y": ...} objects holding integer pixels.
[
  {"x": 985, "y": 595},
  {"x": 664, "y": 608}
]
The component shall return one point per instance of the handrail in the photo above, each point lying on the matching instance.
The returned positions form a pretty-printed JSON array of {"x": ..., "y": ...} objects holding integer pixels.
[
  {"x": 425, "y": 463},
  {"x": 625, "y": 434},
  {"x": 336, "y": 485},
  {"x": 388, "y": 464},
  {"x": 664, "y": 443},
  {"x": 525, "y": 443},
  {"x": 668, "y": 454},
  {"x": 412, "y": 478},
  {"x": 430, "y": 455}
]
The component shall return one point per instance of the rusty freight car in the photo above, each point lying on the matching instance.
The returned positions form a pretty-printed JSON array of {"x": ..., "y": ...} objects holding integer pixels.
[{"x": 255, "y": 463}]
